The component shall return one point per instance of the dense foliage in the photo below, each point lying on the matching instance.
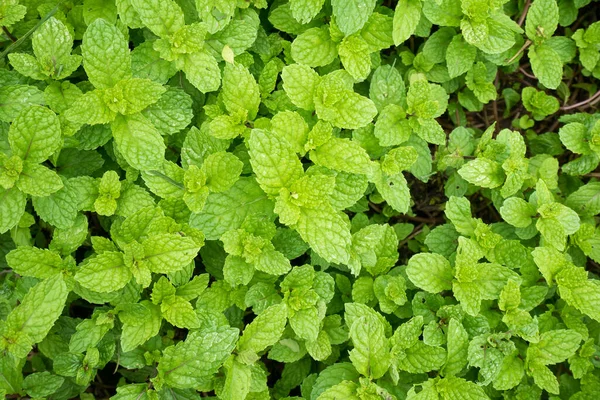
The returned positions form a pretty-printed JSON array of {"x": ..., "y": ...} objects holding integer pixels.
[{"x": 303, "y": 199}]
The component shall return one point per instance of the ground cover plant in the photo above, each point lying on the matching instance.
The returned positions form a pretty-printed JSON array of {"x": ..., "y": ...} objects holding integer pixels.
[{"x": 303, "y": 199}]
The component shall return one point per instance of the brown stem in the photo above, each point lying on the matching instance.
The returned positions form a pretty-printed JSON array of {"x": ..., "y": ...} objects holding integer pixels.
[
  {"x": 414, "y": 233},
  {"x": 10, "y": 35},
  {"x": 420, "y": 219},
  {"x": 527, "y": 74},
  {"x": 522, "y": 49},
  {"x": 524, "y": 13},
  {"x": 585, "y": 103},
  {"x": 593, "y": 175},
  {"x": 375, "y": 207}
]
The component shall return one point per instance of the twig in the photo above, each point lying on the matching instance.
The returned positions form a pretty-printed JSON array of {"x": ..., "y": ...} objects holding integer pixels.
[
  {"x": 593, "y": 175},
  {"x": 495, "y": 104},
  {"x": 16, "y": 44},
  {"x": 524, "y": 13},
  {"x": 585, "y": 103},
  {"x": 522, "y": 49},
  {"x": 375, "y": 207},
  {"x": 8, "y": 34},
  {"x": 420, "y": 219},
  {"x": 527, "y": 74},
  {"x": 414, "y": 233}
]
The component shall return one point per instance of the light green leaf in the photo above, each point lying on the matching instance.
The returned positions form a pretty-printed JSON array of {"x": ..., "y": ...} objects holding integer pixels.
[
  {"x": 138, "y": 141},
  {"x": 188, "y": 363},
  {"x": 37, "y": 180},
  {"x": 542, "y": 20},
  {"x": 300, "y": 83},
  {"x": 483, "y": 172},
  {"x": 355, "y": 56},
  {"x": 460, "y": 56},
  {"x": 327, "y": 232},
  {"x": 314, "y": 48},
  {"x": 202, "y": 70},
  {"x": 136, "y": 331},
  {"x": 34, "y": 262},
  {"x": 35, "y": 134},
  {"x": 457, "y": 345},
  {"x": 406, "y": 20},
  {"x": 546, "y": 65},
  {"x": 264, "y": 331},
  {"x": 169, "y": 252},
  {"x": 305, "y": 10},
  {"x": 240, "y": 91},
  {"x": 430, "y": 271},
  {"x": 371, "y": 353},
  {"x": 517, "y": 212},
  {"x": 39, "y": 309},
  {"x": 351, "y": 15},
  {"x": 105, "y": 54},
  {"x": 104, "y": 273},
  {"x": 163, "y": 18},
  {"x": 355, "y": 160},
  {"x": 274, "y": 161}
]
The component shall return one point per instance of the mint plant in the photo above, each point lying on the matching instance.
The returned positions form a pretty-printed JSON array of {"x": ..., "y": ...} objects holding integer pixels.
[{"x": 299, "y": 199}]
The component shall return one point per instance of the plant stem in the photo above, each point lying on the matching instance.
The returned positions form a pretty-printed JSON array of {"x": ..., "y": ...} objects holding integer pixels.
[
  {"x": 8, "y": 34},
  {"x": 19, "y": 41},
  {"x": 585, "y": 103},
  {"x": 522, "y": 49},
  {"x": 524, "y": 13}
]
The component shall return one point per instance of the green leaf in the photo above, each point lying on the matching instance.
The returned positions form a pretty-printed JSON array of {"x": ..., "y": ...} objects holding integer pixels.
[
  {"x": 39, "y": 309},
  {"x": 169, "y": 252},
  {"x": 37, "y": 180},
  {"x": 355, "y": 161},
  {"x": 202, "y": 70},
  {"x": 314, "y": 48},
  {"x": 355, "y": 57},
  {"x": 188, "y": 363},
  {"x": 483, "y": 172},
  {"x": 227, "y": 210},
  {"x": 241, "y": 93},
  {"x": 300, "y": 83},
  {"x": 104, "y": 273},
  {"x": 264, "y": 331},
  {"x": 578, "y": 291},
  {"x": 554, "y": 346},
  {"x": 459, "y": 388},
  {"x": 163, "y": 18},
  {"x": 42, "y": 384},
  {"x": 457, "y": 345},
  {"x": 305, "y": 10},
  {"x": 138, "y": 141},
  {"x": 542, "y": 20},
  {"x": 351, "y": 15},
  {"x": 35, "y": 134},
  {"x": 132, "y": 95},
  {"x": 274, "y": 161},
  {"x": 327, "y": 232},
  {"x": 430, "y": 271},
  {"x": 546, "y": 65},
  {"x": 421, "y": 358},
  {"x": 179, "y": 312},
  {"x": 105, "y": 54},
  {"x": 406, "y": 20},
  {"x": 517, "y": 212},
  {"x": 371, "y": 353},
  {"x": 34, "y": 262},
  {"x": 460, "y": 56},
  {"x": 458, "y": 211},
  {"x": 137, "y": 329},
  {"x": 585, "y": 200}
]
